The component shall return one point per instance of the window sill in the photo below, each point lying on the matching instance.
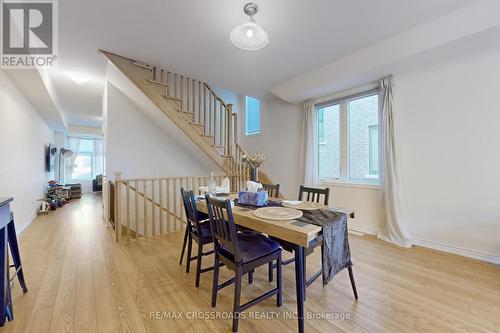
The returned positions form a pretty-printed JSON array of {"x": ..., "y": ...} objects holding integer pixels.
[
  {"x": 340, "y": 183},
  {"x": 252, "y": 134}
]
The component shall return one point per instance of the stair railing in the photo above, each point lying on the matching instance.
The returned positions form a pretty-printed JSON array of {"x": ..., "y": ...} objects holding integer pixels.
[
  {"x": 197, "y": 99},
  {"x": 148, "y": 207}
]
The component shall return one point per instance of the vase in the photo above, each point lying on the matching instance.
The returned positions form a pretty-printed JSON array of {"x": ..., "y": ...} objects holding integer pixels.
[{"x": 254, "y": 174}]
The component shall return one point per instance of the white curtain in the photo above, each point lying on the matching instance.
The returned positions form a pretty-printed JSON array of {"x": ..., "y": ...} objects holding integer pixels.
[
  {"x": 395, "y": 229},
  {"x": 98, "y": 160},
  {"x": 310, "y": 145}
]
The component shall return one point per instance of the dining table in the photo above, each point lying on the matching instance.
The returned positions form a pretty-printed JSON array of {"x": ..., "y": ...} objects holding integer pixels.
[{"x": 297, "y": 233}]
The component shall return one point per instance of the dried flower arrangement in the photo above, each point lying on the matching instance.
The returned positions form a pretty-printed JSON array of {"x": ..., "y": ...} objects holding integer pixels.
[{"x": 254, "y": 161}]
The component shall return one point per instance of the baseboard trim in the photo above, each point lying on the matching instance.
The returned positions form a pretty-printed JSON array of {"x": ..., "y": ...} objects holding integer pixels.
[
  {"x": 362, "y": 229},
  {"x": 26, "y": 224},
  {"x": 443, "y": 247},
  {"x": 479, "y": 255}
]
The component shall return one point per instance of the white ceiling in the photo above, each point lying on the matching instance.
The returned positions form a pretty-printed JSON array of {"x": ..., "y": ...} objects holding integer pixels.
[{"x": 191, "y": 37}]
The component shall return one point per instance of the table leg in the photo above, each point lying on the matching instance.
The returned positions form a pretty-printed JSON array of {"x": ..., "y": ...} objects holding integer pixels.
[
  {"x": 16, "y": 257},
  {"x": 4, "y": 269},
  {"x": 300, "y": 285}
]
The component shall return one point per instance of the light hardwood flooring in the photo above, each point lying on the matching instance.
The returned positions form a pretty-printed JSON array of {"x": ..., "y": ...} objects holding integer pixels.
[{"x": 80, "y": 281}]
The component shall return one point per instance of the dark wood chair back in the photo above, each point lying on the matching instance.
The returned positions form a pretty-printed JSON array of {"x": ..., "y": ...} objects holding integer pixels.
[
  {"x": 191, "y": 212},
  {"x": 314, "y": 194},
  {"x": 272, "y": 190},
  {"x": 222, "y": 225}
]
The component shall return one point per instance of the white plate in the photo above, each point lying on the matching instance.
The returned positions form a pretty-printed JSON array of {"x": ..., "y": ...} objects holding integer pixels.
[
  {"x": 302, "y": 205},
  {"x": 278, "y": 213}
]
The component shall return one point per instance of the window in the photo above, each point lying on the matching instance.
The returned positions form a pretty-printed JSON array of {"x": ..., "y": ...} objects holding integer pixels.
[
  {"x": 373, "y": 150},
  {"x": 348, "y": 139},
  {"x": 329, "y": 142},
  {"x": 252, "y": 120},
  {"x": 87, "y": 159},
  {"x": 82, "y": 167}
]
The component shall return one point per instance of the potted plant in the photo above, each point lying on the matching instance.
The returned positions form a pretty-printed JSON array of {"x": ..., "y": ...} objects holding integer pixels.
[{"x": 254, "y": 162}]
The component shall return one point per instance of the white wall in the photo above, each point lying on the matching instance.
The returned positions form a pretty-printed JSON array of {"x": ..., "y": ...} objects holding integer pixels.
[
  {"x": 230, "y": 97},
  {"x": 447, "y": 126},
  {"x": 24, "y": 135},
  {"x": 448, "y": 120},
  {"x": 279, "y": 141},
  {"x": 138, "y": 147}
]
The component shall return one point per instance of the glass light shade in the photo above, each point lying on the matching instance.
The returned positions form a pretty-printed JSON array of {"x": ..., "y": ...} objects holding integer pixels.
[{"x": 249, "y": 36}]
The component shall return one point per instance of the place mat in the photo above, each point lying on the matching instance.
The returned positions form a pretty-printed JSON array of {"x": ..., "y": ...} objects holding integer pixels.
[
  {"x": 302, "y": 205},
  {"x": 278, "y": 213}
]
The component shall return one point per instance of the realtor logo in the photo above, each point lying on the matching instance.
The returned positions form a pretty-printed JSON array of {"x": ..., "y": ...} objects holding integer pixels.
[{"x": 29, "y": 34}]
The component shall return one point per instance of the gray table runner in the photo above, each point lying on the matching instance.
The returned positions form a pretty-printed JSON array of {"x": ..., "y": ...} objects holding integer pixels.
[{"x": 336, "y": 252}]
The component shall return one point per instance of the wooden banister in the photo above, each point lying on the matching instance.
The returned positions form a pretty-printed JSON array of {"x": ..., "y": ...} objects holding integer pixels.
[
  {"x": 149, "y": 207},
  {"x": 229, "y": 114},
  {"x": 203, "y": 116},
  {"x": 235, "y": 126}
]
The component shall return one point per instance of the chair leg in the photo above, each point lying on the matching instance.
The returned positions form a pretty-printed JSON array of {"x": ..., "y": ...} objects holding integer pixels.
[
  {"x": 198, "y": 265},
  {"x": 237, "y": 295},
  {"x": 270, "y": 271},
  {"x": 305, "y": 275},
  {"x": 250, "y": 276},
  {"x": 279, "y": 282},
  {"x": 183, "y": 245},
  {"x": 215, "y": 282},
  {"x": 188, "y": 259},
  {"x": 353, "y": 284}
]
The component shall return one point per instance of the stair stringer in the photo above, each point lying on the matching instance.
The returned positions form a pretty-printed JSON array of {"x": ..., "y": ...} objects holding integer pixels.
[{"x": 139, "y": 76}]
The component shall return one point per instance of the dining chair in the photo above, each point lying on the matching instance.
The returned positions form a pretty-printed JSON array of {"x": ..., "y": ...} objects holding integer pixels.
[
  {"x": 186, "y": 230},
  {"x": 306, "y": 194},
  {"x": 273, "y": 190},
  {"x": 198, "y": 231},
  {"x": 241, "y": 253},
  {"x": 314, "y": 195}
]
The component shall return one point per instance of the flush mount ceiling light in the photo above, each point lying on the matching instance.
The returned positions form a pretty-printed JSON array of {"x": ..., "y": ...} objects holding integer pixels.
[
  {"x": 249, "y": 36},
  {"x": 79, "y": 78}
]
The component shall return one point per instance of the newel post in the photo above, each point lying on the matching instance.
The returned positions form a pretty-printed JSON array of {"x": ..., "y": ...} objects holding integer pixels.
[
  {"x": 235, "y": 126},
  {"x": 118, "y": 223},
  {"x": 229, "y": 130}
]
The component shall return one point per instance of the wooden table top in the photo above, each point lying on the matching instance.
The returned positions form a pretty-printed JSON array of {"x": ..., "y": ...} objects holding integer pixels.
[{"x": 293, "y": 231}]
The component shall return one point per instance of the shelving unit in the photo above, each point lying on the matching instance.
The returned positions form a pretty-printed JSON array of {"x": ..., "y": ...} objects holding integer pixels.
[{"x": 76, "y": 190}]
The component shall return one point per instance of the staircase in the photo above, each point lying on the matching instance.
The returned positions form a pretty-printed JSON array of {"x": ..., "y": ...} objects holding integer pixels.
[
  {"x": 195, "y": 108},
  {"x": 149, "y": 207}
]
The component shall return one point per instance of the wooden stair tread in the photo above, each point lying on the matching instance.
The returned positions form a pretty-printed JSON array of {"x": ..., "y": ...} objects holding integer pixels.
[
  {"x": 172, "y": 98},
  {"x": 145, "y": 66},
  {"x": 150, "y": 83},
  {"x": 157, "y": 82}
]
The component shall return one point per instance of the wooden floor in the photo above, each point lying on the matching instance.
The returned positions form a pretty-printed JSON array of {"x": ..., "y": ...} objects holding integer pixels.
[{"x": 80, "y": 281}]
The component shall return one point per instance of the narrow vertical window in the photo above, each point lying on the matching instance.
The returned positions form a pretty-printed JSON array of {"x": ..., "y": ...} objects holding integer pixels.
[
  {"x": 373, "y": 150},
  {"x": 363, "y": 138},
  {"x": 329, "y": 142},
  {"x": 252, "y": 120}
]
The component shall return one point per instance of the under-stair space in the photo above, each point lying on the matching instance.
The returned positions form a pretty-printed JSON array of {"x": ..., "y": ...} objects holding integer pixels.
[
  {"x": 149, "y": 206},
  {"x": 193, "y": 106}
]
